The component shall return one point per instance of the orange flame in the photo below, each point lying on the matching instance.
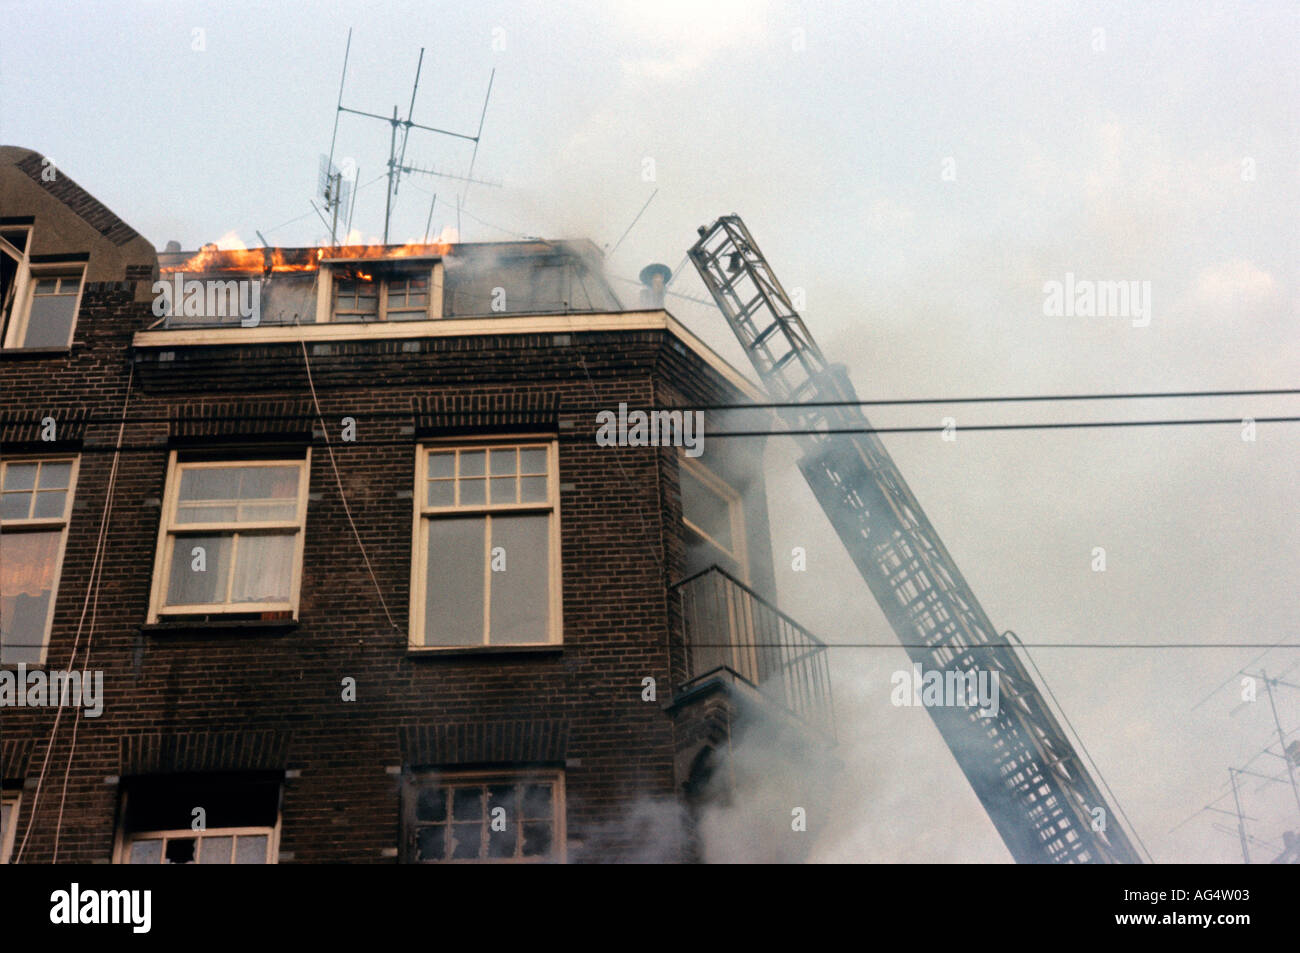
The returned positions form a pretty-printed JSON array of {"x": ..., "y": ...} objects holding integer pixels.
[{"x": 211, "y": 259}]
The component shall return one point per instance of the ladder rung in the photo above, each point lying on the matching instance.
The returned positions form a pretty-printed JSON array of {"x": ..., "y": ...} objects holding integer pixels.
[
  {"x": 768, "y": 332},
  {"x": 785, "y": 359}
]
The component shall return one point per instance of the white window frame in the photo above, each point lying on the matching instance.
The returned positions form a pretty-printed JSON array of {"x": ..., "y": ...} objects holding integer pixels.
[
  {"x": 32, "y": 524},
  {"x": 26, "y": 280},
  {"x": 20, "y": 278},
  {"x": 423, "y": 514},
  {"x": 385, "y": 269},
  {"x": 441, "y": 779},
  {"x": 125, "y": 841},
  {"x": 736, "y": 512},
  {"x": 14, "y": 799},
  {"x": 168, "y": 529}
]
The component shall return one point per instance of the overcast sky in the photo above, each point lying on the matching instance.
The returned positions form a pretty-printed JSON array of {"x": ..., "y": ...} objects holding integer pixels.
[{"x": 918, "y": 171}]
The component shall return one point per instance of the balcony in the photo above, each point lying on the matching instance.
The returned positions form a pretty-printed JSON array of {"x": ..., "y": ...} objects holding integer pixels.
[{"x": 726, "y": 625}]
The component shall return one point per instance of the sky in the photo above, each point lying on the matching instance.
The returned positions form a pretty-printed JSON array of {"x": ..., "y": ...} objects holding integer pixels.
[{"x": 916, "y": 173}]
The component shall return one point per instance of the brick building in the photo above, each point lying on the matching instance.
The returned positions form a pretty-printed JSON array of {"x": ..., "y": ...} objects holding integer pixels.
[{"x": 362, "y": 582}]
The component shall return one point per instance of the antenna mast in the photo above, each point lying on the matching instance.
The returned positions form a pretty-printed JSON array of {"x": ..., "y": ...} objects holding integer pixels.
[{"x": 397, "y": 160}]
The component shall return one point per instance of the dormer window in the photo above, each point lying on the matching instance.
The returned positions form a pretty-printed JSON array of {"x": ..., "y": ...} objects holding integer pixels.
[
  {"x": 39, "y": 301},
  {"x": 381, "y": 291}
]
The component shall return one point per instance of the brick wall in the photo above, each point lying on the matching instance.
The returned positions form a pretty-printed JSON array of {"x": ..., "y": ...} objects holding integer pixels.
[{"x": 270, "y": 698}]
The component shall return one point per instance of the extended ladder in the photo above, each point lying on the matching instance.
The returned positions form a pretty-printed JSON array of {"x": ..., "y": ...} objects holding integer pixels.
[{"x": 1024, "y": 770}]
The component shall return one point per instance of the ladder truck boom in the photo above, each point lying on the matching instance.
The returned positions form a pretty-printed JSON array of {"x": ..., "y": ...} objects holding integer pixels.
[{"x": 1026, "y": 773}]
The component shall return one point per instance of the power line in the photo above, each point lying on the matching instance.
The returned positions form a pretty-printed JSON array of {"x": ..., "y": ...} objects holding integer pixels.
[
  {"x": 570, "y": 437},
  {"x": 881, "y": 402}
]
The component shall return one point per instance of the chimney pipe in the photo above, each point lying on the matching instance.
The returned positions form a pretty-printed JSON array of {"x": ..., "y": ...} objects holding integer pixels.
[{"x": 654, "y": 280}]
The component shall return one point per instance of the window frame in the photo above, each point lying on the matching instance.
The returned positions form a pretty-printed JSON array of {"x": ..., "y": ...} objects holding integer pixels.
[
  {"x": 423, "y": 514},
  {"x": 412, "y": 778},
  {"x": 385, "y": 270},
  {"x": 15, "y": 800},
  {"x": 125, "y": 841},
  {"x": 736, "y": 513},
  {"x": 18, "y": 321},
  {"x": 169, "y": 529},
  {"x": 37, "y": 524}
]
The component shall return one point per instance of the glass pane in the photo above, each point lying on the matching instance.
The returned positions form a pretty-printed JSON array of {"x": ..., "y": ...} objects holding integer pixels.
[
  {"x": 210, "y": 483},
  {"x": 537, "y": 802},
  {"x": 269, "y": 483},
  {"x": 215, "y": 850},
  {"x": 49, "y": 504},
  {"x": 268, "y": 512},
  {"x": 146, "y": 852},
  {"x": 199, "y": 568},
  {"x": 471, "y": 462},
  {"x": 431, "y": 843},
  {"x": 503, "y": 490},
  {"x": 431, "y": 804},
  {"x": 27, "y": 564},
  {"x": 468, "y": 841},
  {"x": 502, "y": 843},
  {"x": 441, "y": 464},
  {"x": 502, "y": 795},
  {"x": 467, "y": 804},
  {"x": 537, "y": 838},
  {"x": 206, "y": 513},
  {"x": 55, "y": 476},
  {"x": 20, "y": 476},
  {"x": 263, "y": 567},
  {"x": 533, "y": 489},
  {"x": 706, "y": 509},
  {"x": 521, "y": 594},
  {"x": 15, "y": 506},
  {"x": 532, "y": 460},
  {"x": 47, "y": 286},
  {"x": 49, "y": 323},
  {"x": 251, "y": 849},
  {"x": 472, "y": 492},
  {"x": 442, "y": 493},
  {"x": 453, "y": 595},
  {"x": 272, "y": 493},
  {"x": 503, "y": 462}
]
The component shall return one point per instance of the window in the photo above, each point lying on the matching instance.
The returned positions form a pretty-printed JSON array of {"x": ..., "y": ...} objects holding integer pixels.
[
  {"x": 189, "y": 819},
  {"x": 225, "y": 845},
  {"x": 715, "y": 528},
  {"x": 381, "y": 294},
  {"x": 9, "y": 803},
  {"x": 484, "y": 818},
  {"x": 231, "y": 538},
  {"x": 39, "y": 301},
  {"x": 487, "y": 551},
  {"x": 35, "y": 502}
]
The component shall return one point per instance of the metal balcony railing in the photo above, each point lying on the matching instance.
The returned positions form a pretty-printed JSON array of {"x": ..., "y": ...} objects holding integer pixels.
[{"x": 728, "y": 625}]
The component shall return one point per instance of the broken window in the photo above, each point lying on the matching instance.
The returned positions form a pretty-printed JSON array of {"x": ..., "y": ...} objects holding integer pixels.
[
  {"x": 35, "y": 501},
  {"x": 488, "y": 818},
  {"x": 193, "y": 819},
  {"x": 231, "y": 537},
  {"x": 488, "y": 554}
]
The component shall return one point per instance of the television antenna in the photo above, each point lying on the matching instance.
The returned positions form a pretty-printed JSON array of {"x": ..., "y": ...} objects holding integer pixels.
[
  {"x": 334, "y": 189},
  {"x": 403, "y": 125}
]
